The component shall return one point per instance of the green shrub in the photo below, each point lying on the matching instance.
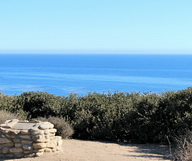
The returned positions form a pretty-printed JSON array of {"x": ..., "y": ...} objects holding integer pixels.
[
  {"x": 63, "y": 128},
  {"x": 7, "y": 102},
  {"x": 4, "y": 115},
  {"x": 118, "y": 116},
  {"x": 39, "y": 104}
]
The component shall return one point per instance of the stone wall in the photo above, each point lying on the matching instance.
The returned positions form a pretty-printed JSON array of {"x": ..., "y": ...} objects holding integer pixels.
[{"x": 26, "y": 139}]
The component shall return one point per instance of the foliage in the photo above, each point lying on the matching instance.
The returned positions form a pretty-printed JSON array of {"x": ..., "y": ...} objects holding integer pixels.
[
  {"x": 118, "y": 116},
  {"x": 40, "y": 104}
]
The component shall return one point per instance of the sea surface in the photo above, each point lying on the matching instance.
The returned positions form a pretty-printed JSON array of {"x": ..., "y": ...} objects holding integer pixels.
[{"x": 83, "y": 73}]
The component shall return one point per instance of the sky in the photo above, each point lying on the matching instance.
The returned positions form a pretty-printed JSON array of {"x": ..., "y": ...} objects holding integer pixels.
[{"x": 96, "y": 26}]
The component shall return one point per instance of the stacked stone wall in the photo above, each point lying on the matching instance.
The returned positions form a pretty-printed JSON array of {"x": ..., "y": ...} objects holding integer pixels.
[{"x": 27, "y": 139}]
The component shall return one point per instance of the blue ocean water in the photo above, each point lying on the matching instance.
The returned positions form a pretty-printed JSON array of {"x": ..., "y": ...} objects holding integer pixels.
[{"x": 78, "y": 73}]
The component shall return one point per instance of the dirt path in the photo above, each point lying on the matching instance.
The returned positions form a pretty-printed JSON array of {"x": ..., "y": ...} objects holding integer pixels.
[{"x": 77, "y": 150}]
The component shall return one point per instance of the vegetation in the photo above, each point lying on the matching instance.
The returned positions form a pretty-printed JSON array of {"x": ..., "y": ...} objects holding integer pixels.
[
  {"x": 128, "y": 117},
  {"x": 183, "y": 150}
]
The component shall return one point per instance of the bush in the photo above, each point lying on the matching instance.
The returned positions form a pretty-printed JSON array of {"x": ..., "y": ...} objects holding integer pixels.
[
  {"x": 183, "y": 150},
  {"x": 4, "y": 115},
  {"x": 39, "y": 104},
  {"x": 137, "y": 117},
  {"x": 63, "y": 128}
]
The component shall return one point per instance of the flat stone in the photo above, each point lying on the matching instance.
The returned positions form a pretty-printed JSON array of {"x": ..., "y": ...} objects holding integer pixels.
[
  {"x": 23, "y": 125},
  {"x": 25, "y": 132},
  {"x": 44, "y": 126},
  {"x": 28, "y": 152},
  {"x": 47, "y": 150},
  {"x": 4, "y": 140},
  {"x": 39, "y": 145},
  {"x": 37, "y": 132},
  {"x": 4, "y": 125},
  {"x": 11, "y": 123},
  {"x": 25, "y": 136},
  {"x": 16, "y": 150},
  {"x": 2, "y": 156},
  {"x": 38, "y": 154},
  {"x": 19, "y": 155},
  {"x": 27, "y": 147},
  {"x": 9, "y": 155},
  {"x": 10, "y": 136},
  {"x": 17, "y": 140},
  {"x": 15, "y": 132},
  {"x": 18, "y": 145},
  {"x": 11, "y": 144},
  {"x": 5, "y": 150},
  {"x": 26, "y": 142},
  {"x": 8, "y": 121},
  {"x": 50, "y": 145},
  {"x": 42, "y": 141},
  {"x": 52, "y": 130}
]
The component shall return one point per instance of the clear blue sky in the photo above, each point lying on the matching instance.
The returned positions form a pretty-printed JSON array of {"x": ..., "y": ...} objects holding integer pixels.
[{"x": 96, "y": 26}]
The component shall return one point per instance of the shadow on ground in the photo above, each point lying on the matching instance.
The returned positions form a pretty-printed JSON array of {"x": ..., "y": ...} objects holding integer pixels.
[{"x": 146, "y": 150}]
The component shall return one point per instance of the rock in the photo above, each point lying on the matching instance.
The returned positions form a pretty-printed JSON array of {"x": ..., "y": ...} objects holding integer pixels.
[
  {"x": 39, "y": 154},
  {"x": 47, "y": 150},
  {"x": 8, "y": 121},
  {"x": 26, "y": 141},
  {"x": 16, "y": 150},
  {"x": 9, "y": 155},
  {"x": 14, "y": 132},
  {"x": 17, "y": 140},
  {"x": 2, "y": 156},
  {"x": 44, "y": 126},
  {"x": 19, "y": 155},
  {"x": 50, "y": 145},
  {"x": 4, "y": 140},
  {"x": 27, "y": 147},
  {"x": 37, "y": 132},
  {"x": 39, "y": 145},
  {"x": 52, "y": 130},
  {"x": 5, "y": 150},
  {"x": 11, "y": 144},
  {"x": 25, "y": 132},
  {"x": 18, "y": 145},
  {"x": 25, "y": 137}
]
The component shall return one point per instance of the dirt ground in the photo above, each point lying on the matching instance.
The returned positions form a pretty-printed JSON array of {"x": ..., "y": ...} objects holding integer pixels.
[{"x": 78, "y": 150}]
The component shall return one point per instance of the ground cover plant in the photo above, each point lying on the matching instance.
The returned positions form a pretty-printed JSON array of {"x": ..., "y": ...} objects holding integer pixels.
[{"x": 128, "y": 117}]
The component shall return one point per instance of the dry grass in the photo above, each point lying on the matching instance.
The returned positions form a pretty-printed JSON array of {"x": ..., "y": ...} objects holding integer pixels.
[
  {"x": 5, "y": 115},
  {"x": 183, "y": 150}
]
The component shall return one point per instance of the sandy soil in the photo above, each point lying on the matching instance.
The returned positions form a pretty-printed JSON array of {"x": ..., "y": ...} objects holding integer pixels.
[{"x": 78, "y": 150}]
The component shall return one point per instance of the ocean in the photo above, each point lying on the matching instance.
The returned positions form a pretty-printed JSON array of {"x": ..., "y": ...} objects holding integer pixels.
[{"x": 62, "y": 74}]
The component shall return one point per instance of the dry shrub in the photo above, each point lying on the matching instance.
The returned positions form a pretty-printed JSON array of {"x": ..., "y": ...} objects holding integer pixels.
[
  {"x": 5, "y": 115},
  {"x": 183, "y": 150},
  {"x": 63, "y": 128}
]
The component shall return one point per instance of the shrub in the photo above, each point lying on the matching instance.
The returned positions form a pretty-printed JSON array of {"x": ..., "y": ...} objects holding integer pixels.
[
  {"x": 118, "y": 116},
  {"x": 4, "y": 115},
  {"x": 183, "y": 150},
  {"x": 7, "y": 102},
  {"x": 63, "y": 128},
  {"x": 39, "y": 104}
]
